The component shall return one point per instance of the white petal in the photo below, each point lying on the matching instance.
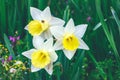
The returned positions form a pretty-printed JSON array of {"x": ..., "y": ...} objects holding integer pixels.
[
  {"x": 83, "y": 45},
  {"x": 26, "y": 27},
  {"x": 80, "y": 30},
  {"x": 53, "y": 56},
  {"x": 47, "y": 34},
  {"x": 69, "y": 54},
  {"x": 49, "y": 68},
  {"x": 35, "y": 13},
  {"x": 28, "y": 53},
  {"x": 57, "y": 31},
  {"x": 46, "y": 14},
  {"x": 34, "y": 69},
  {"x": 48, "y": 45},
  {"x": 58, "y": 45},
  {"x": 56, "y": 22},
  {"x": 37, "y": 42},
  {"x": 70, "y": 28}
]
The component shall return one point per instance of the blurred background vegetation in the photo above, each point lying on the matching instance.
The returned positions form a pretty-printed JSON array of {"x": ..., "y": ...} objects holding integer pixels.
[{"x": 101, "y": 62}]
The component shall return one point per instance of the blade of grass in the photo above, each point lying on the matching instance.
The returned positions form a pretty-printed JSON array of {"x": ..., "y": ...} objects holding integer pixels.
[
  {"x": 77, "y": 64},
  {"x": 2, "y": 17},
  {"x": 28, "y": 12},
  {"x": 14, "y": 17},
  {"x": 7, "y": 42},
  {"x": 66, "y": 14},
  {"x": 76, "y": 5},
  {"x": 28, "y": 37},
  {"x": 98, "y": 25},
  {"x": 116, "y": 18},
  {"x": 77, "y": 74}
]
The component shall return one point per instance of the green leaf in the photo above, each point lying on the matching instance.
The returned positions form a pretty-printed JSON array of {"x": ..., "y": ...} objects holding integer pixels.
[
  {"x": 66, "y": 14},
  {"x": 98, "y": 25},
  {"x": 8, "y": 45},
  {"x": 107, "y": 32},
  {"x": 2, "y": 17},
  {"x": 116, "y": 18},
  {"x": 78, "y": 64}
]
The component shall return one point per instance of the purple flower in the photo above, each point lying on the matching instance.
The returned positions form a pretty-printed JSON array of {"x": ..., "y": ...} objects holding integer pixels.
[
  {"x": 10, "y": 37},
  {"x": 18, "y": 37},
  {"x": 9, "y": 58},
  {"x": 88, "y": 19},
  {"x": 3, "y": 61},
  {"x": 13, "y": 39}
]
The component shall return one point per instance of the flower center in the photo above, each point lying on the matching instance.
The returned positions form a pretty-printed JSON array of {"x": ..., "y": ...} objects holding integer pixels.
[
  {"x": 45, "y": 24},
  {"x": 70, "y": 42},
  {"x": 40, "y": 59},
  {"x": 36, "y": 27}
]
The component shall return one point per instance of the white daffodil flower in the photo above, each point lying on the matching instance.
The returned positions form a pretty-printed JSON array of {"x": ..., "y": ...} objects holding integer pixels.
[
  {"x": 42, "y": 56},
  {"x": 69, "y": 38},
  {"x": 42, "y": 21}
]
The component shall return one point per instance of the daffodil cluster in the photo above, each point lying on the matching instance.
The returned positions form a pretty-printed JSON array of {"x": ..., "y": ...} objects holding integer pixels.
[{"x": 50, "y": 34}]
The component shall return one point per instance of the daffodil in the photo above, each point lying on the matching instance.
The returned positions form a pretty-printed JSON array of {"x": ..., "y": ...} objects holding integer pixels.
[
  {"x": 42, "y": 21},
  {"x": 43, "y": 56},
  {"x": 69, "y": 38}
]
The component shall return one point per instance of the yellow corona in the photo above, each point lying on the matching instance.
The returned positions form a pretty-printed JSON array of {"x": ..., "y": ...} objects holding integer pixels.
[
  {"x": 40, "y": 59},
  {"x": 70, "y": 42}
]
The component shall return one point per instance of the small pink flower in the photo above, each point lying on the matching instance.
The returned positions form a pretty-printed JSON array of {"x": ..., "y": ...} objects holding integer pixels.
[
  {"x": 9, "y": 58},
  {"x": 18, "y": 37},
  {"x": 3, "y": 61},
  {"x": 88, "y": 19},
  {"x": 12, "y": 39}
]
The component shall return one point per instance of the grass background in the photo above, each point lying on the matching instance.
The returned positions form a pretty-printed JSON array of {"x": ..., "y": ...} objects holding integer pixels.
[{"x": 101, "y": 62}]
